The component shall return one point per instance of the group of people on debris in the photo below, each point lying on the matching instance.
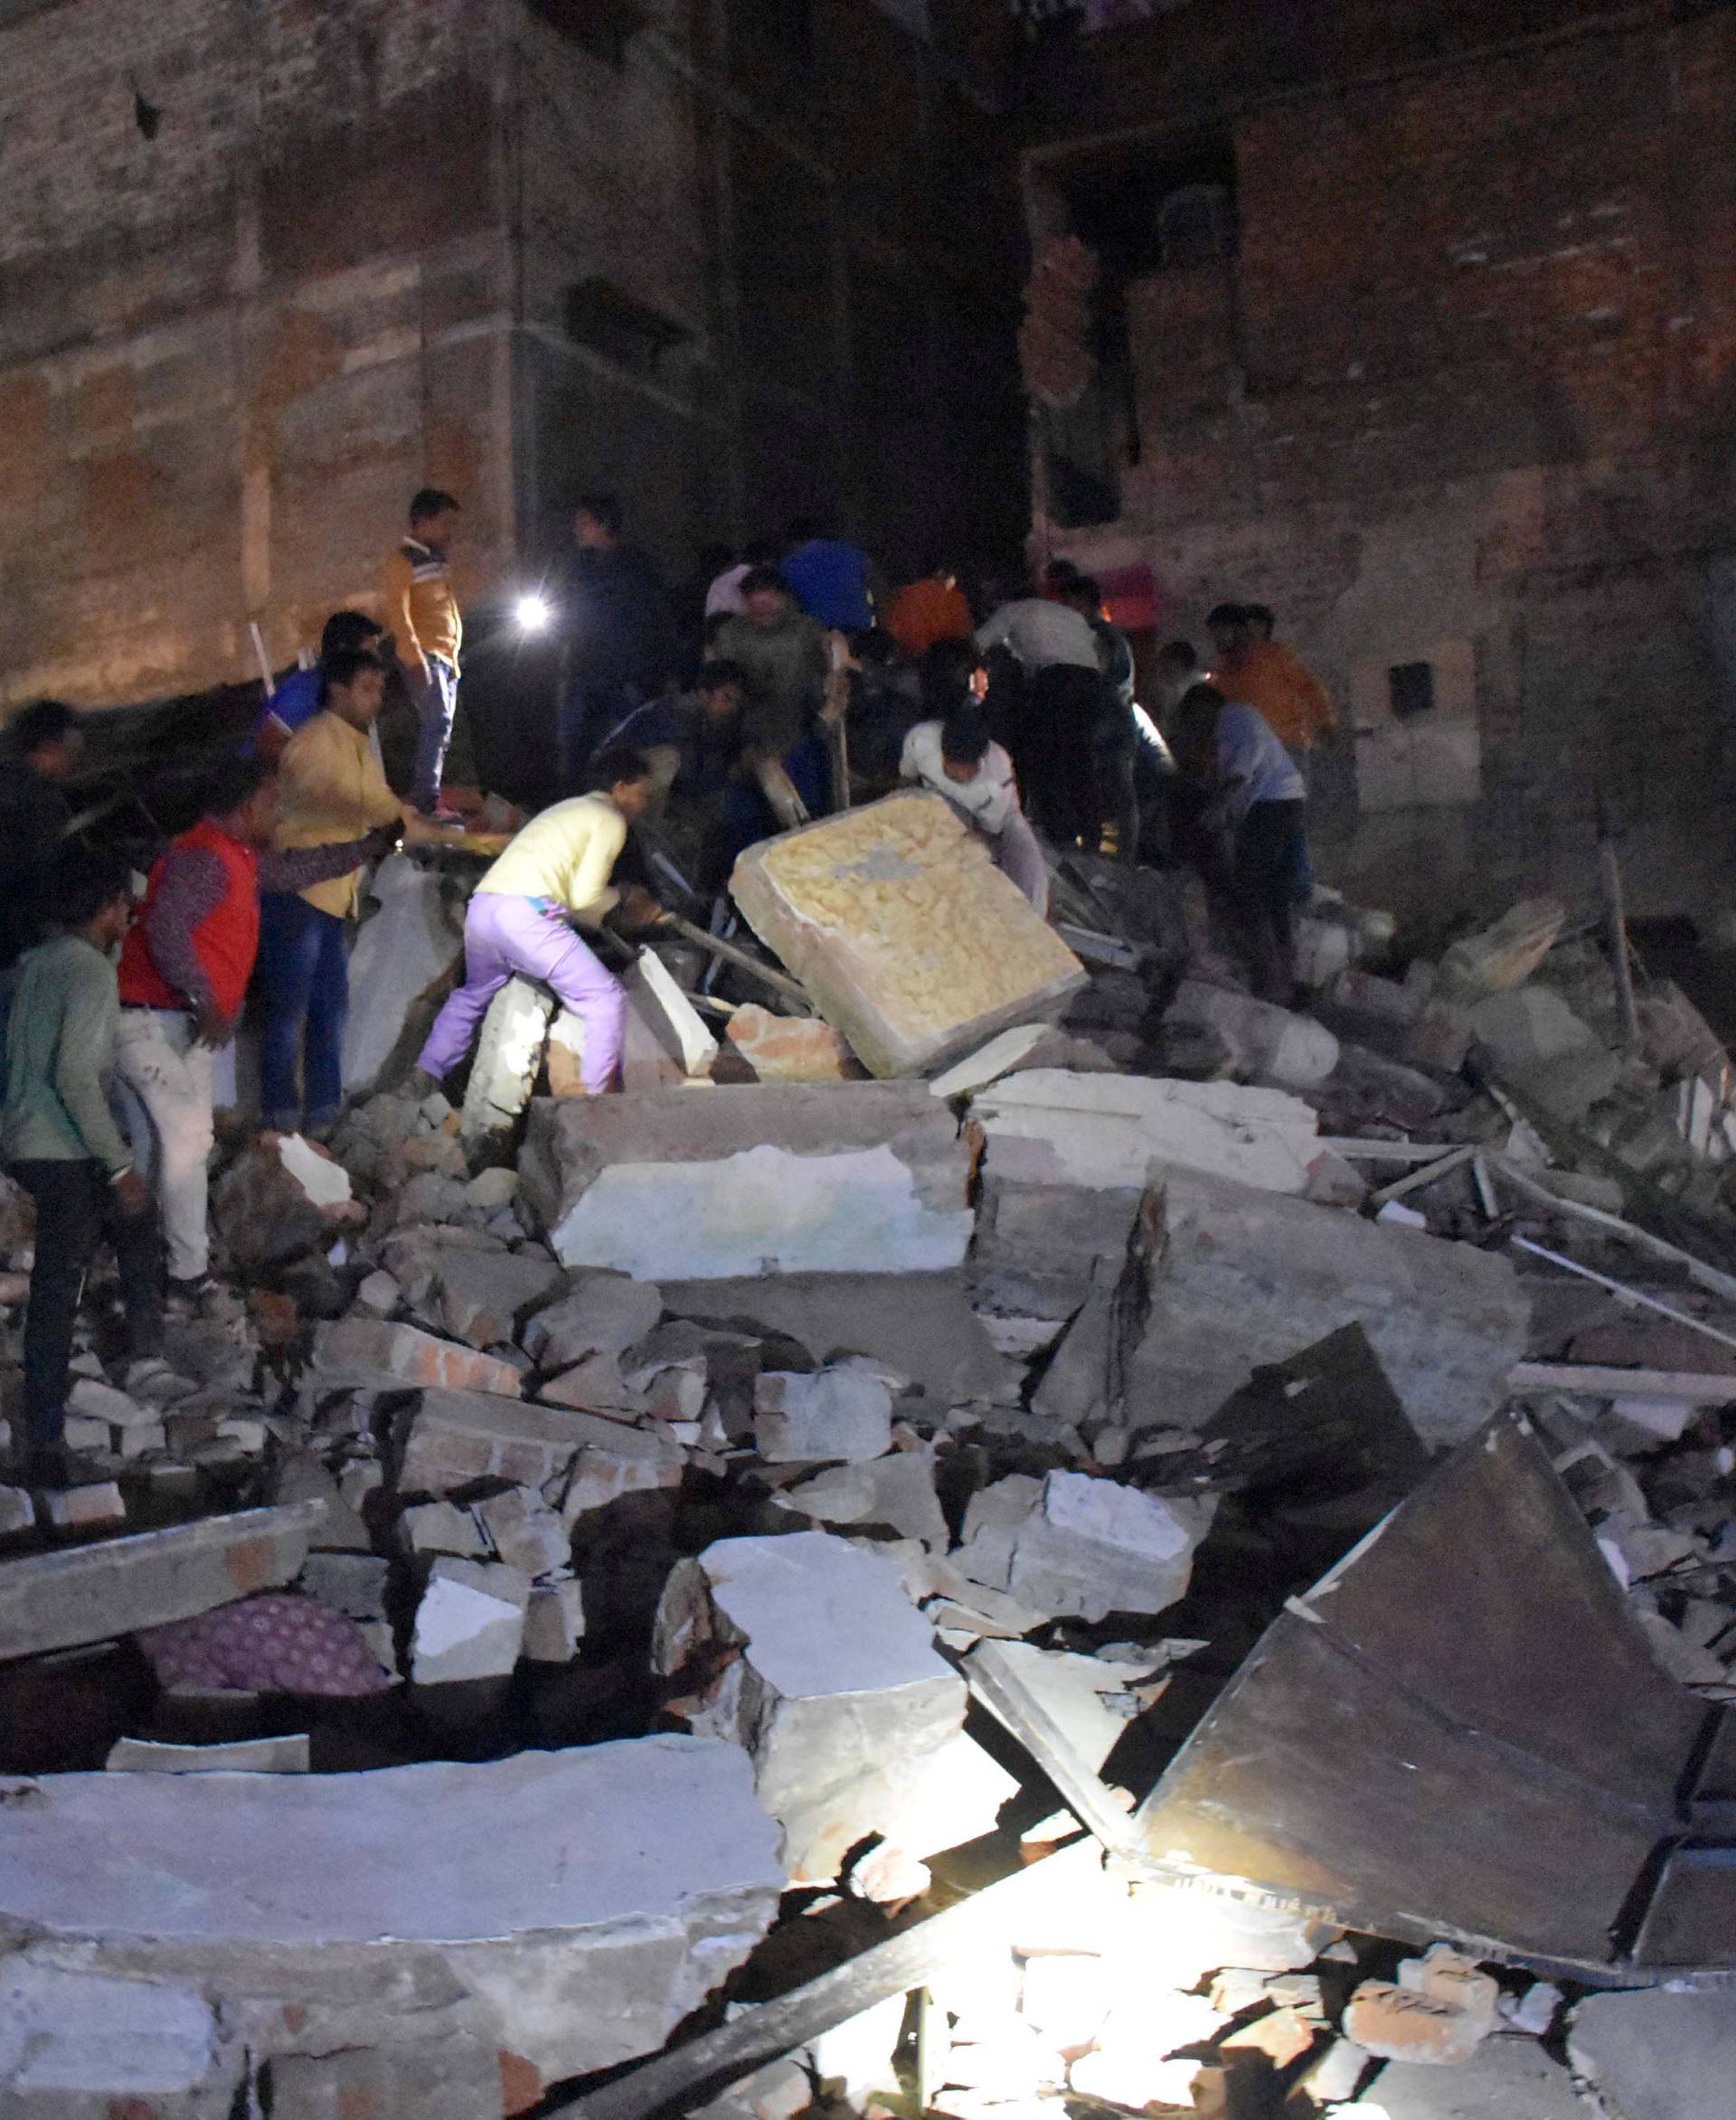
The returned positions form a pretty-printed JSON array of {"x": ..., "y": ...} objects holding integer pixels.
[{"x": 796, "y": 679}]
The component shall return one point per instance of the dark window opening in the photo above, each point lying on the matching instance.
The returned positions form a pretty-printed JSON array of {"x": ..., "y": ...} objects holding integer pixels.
[
  {"x": 611, "y": 322},
  {"x": 1411, "y": 689},
  {"x": 1141, "y": 212},
  {"x": 604, "y": 28}
]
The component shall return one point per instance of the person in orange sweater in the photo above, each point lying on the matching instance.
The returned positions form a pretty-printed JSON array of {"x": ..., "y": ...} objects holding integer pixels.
[
  {"x": 1253, "y": 669},
  {"x": 930, "y": 608},
  {"x": 421, "y": 614}
]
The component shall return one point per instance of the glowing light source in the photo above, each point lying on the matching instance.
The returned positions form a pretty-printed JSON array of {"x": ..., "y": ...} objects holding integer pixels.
[{"x": 531, "y": 613}]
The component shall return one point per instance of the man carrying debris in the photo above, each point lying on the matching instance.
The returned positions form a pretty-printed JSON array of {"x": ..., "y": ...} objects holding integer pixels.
[
  {"x": 952, "y": 755},
  {"x": 63, "y": 1148},
  {"x": 1052, "y": 743},
  {"x": 520, "y": 918},
  {"x": 334, "y": 794},
  {"x": 184, "y": 976},
  {"x": 1249, "y": 828}
]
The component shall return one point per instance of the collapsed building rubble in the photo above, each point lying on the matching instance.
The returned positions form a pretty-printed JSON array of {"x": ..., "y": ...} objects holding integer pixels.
[{"x": 659, "y": 1561}]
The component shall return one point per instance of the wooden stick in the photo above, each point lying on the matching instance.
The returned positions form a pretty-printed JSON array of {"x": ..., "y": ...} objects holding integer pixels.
[
  {"x": 1572, "y": 1266},
  {"x": 1356, "y": 1150},
  {"x": 1418, "y": 1179},
  {"x": 733, "y": 2051},
  {"x": 780, "y": 982},
  {"x": 1599, "y": 1382},
  {"x": 1614, "y": 915}
]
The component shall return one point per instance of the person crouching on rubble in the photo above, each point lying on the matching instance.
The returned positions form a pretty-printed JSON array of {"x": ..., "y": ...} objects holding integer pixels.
[
  {"x": 952, "y": 755},
  {"x": 1250, "y": 829},
  {"x": 555, "y": 873},
  {"x": 184, "y": 975},
  {"x": 63, "y": 1148}
]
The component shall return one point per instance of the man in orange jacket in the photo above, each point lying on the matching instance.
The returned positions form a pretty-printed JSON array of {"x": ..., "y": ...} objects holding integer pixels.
[{"x": 1253, "y": 669}]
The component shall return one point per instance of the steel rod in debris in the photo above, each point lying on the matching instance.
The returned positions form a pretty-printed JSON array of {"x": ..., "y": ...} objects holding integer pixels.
[
  {"x": 1599, "y": 1382},
  {"x": 1710, "y": 1277},
  {"x": 1616, "y": 918},
  {"x": 679, "y": 2078},
  {"x": 1572, "y": 1266},
  {"x": 779, "y": 982},
  {"x": 993, "y": 1680}
]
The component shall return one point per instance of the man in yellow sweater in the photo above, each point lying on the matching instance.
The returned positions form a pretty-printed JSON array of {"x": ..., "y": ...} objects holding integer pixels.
[
  {"x": 555, "y": 873},
  {"x": 420, "y": 612}
]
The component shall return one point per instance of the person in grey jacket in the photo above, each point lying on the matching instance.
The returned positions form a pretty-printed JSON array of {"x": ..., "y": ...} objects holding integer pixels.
[{"x": 63, "y": 1145}]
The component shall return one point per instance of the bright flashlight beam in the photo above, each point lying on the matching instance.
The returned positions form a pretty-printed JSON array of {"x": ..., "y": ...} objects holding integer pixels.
[{"x": 531, "y": 614}]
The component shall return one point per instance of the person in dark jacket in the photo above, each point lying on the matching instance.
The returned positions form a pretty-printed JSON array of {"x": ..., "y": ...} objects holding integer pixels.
[
  {"x": 39, "y": 751},
  {"x": 617, "y": 644}
]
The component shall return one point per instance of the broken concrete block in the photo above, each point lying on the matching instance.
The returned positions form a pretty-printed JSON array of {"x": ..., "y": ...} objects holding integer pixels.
[
  {"x": 354, "y": 1584},
  {"x": 1110, "y": 1131},
  {"x": 839, "y": 1413},
  {"x": 17, "y": 1510},
  {"x": 454, "y": 1437},
  {"x": 284, "y": 1754},
  {"x": 838, "y": 1692},
  {"x": 441, "y": 1527},
  {"x": 674, "y": 1022},
  {"x": 100, "y": 1401},
  {"x": 1268, "y": 1043},
  {"x": 1502, "y": 957},
  {"x": 1534, "y": 1044},
  {"x": 1243, "y": 1278},
  {"x": 1653, "y": 2055},
  {"x": 897, "y": 1491},
  {"x": 1001, "y": 1056},
  {"x": 908, "y": 938},
  {"x": 414, "y": 1256},
  {"x": 1397, "y": 2023},
  {"x": 403, "y": 951},
  {"x": 307, "y": 1911},
  {"x": 263, "y": 1214},
  {"x": 324, "y": 1181},
  {"x": 509, "y": 1054},
  {"x": 605, "y": 1313},
  {"x": 923, "y": 1323},
  {"x": 457, "y": 2076},
  {"x": 91, "y": 1593},
  {"x": 484, "y": 1293},
  {"x": 554, "y": 1621},
  {"x": 803, "y": 1177},
  {"x": 367, "y": 1349},
  {"x": 76, "y": 2043},
  {"x": 492, "y": 1188},
  {"x": 789, "y": 1049},
  {"x": 524, "y": 1532},
  {"x": 470, "y": 1623},
  {"x": 1069, "y": 1546}
]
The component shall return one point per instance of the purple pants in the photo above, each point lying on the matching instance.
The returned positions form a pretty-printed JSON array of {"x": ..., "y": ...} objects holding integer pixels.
[{"x": 507, "y": 935}]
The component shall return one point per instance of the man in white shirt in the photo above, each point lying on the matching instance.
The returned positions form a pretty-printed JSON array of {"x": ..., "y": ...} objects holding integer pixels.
[
  {"x": 1057, "y": 652},
  {"x": 956, "y": 761}
]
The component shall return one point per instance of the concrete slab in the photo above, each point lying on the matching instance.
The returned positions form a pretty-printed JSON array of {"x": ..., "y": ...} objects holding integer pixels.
[
  {"x": 908, "y": 938},
  {"x": 120, "y": 1586},
  {"x": 285, "y": 1755},
  {"x": 1650, "y": 2054},
  {"x": 1108, "y": 1132},
  {"x": 1243, "y": 1278},
  {"x": 327, "y": 1892},
  {"x": 808, "y": 1177},
  {"x": 367, "y": 1349},
  {"x": 1508, "y": 2078}
]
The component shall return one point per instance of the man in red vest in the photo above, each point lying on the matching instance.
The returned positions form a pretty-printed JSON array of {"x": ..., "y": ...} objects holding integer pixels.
[{"x": 184, "y": 975}]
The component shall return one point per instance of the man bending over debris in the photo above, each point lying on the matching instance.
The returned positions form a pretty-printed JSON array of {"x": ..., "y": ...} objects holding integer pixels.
[
  {"x": 953, "y": 756},
  {"x": 555, "y": 871},
  {"x": 184, "y": 975},
  {"x": 63, "y": 1148},
  {"x": 1251, "y": 825}
]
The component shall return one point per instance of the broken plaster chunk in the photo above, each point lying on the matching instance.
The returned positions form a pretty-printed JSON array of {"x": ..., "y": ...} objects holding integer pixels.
[
  {"x": 17, "y": 1510},
  {"x": 524, "y": 1532},
  {"x": 842, "y": 1413},
  {"x": 324, "y": 1181},
  {"x": 289, "y": 1754},
  {"x": 1071, "y": 1546},
  {"x": 896, "y": 1490},
  {"x": 470, "y": 1622}
]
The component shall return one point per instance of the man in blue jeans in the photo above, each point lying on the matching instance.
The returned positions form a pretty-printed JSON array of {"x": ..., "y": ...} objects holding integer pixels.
[{"x": 333, "y": 790}]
